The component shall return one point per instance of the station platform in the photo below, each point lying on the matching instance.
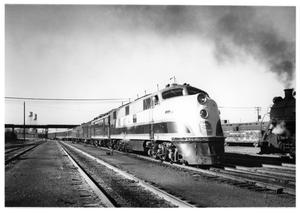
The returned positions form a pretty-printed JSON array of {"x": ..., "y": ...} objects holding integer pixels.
[{"x": 45, "y": 177}]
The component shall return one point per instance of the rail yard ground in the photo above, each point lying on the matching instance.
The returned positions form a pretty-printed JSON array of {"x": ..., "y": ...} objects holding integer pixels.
[{"x": 45, "y": 177}]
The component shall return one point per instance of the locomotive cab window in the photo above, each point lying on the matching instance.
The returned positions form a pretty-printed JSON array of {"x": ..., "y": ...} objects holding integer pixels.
[
  {"x": 155, "y": 100},
  {"x": 127, "y": 110},
  {"x": 172, "y": 93},
  {"x": 114, "y": 114},
  {"x": 147, "y": 103}
]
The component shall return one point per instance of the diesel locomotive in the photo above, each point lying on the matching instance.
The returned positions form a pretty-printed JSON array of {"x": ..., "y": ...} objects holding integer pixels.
[
  {"x": 179, "y": 123},
  {"x": 280, "y": 135}
]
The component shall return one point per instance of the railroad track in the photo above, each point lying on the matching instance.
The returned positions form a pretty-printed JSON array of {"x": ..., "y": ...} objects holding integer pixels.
[
  {"x": 244, "y": 159},
  {"x": 280, "y": 179},
  {"x": 15, "y": 152},
  {"x": 11, "y": 148},
  {"x": 274, "y": 179},
  {"x": 105, "y": 199},
  {"x": 141, "y": 183}
]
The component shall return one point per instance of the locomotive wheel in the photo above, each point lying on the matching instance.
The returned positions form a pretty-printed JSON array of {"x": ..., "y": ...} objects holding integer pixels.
[
  {"x": 155, "y": 156},
  {"x": 152, "y": 153},
  {"x": 173, "y": 156},
  {"x": 126, "y": 149},
  {"x": 163, "y": 157},
  {"x": 149, "y": 152},
  {"x": 184, "y": 162}
]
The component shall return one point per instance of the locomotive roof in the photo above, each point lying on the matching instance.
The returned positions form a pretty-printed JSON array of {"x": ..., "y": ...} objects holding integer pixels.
[{"x": 168, "y": 87}]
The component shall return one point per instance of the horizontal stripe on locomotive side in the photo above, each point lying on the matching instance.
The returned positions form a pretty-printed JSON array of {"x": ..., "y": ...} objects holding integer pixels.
[
  {"x": 198, "y": 139},
  {"x": 162, "y": 127},
  {"x": 165, "y": 137},
  {"x": 162, "y": 137}
]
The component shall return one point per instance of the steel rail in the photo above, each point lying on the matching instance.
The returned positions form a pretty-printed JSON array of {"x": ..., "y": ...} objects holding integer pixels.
[
  {"x": 252, "y": 177},
  {"x": 9, "y": 150},
  {"x": 245, "y": 170},
  {"x": 12, "y": 148},
  {"x": 19, "y": 145},
  {"x": 289, "y": 165},
  {"x": 19, "y": 154},
  {"x": 166, "y": 196},
  {"x": 278, "y": 167},
  {"x": 287, "y": 174},
  {"x": 265, "y": 173}
]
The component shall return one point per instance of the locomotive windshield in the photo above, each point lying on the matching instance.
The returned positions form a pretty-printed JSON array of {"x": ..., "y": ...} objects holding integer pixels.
[
  {"x": 181, "y": 91},
  {"x": 193, "y": 91},
  {"x": 172, "y": 93}
]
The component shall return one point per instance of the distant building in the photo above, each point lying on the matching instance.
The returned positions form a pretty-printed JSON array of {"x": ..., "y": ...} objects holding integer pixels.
[{"x": 224, "y": 121}]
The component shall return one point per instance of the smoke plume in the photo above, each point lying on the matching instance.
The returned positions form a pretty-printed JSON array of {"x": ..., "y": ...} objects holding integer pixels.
[
  {"x": 244, "y": 30},
  {"x": 264, "y": 33}
]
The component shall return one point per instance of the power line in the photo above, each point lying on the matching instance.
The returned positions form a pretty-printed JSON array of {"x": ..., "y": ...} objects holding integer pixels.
[
  {"x": 102, "y": 99},
  {"x": 65, "y": 99},
  {"x": 230, "y": 107}
]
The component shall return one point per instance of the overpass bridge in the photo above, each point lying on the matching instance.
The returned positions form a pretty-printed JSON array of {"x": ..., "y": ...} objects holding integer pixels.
[{"x": 40, "y": 126}]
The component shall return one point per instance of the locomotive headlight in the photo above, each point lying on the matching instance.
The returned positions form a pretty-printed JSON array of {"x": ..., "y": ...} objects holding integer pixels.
[
  {"x": 203, "y": 113},
  {"x": 201, "y": 98}
]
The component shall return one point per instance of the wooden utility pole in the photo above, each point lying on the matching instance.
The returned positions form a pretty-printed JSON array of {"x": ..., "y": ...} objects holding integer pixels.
[
  {"x": 258, "y": 115},
  {"x": 24, "y": 133}
]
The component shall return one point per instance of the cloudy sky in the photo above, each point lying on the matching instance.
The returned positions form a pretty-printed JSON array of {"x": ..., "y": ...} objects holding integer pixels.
[{"x": 242, "y": 56}]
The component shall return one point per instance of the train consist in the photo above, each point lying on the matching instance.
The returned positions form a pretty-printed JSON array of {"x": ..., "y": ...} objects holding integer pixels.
[
  {"x": 280, "y": 135},
  {"x": 179, "y": 123},
  {"x": 243, "y": 134}
]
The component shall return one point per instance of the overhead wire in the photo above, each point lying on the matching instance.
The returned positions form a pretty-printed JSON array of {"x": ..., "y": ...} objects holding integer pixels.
[
  {"x": 106, "y": 100},
  {"x": 65, "y": 99}
]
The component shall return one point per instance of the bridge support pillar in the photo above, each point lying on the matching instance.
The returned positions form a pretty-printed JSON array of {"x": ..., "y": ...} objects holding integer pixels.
[{"x": 46, "y": 133}]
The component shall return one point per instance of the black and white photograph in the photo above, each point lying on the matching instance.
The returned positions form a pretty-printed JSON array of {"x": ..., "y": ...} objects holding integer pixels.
[{"x": 149, "y": 105}]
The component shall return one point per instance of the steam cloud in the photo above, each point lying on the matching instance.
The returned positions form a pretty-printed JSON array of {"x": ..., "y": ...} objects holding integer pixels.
[
  {"x": 262, "y": 41},
  {"x": 265, "y": 33}
]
